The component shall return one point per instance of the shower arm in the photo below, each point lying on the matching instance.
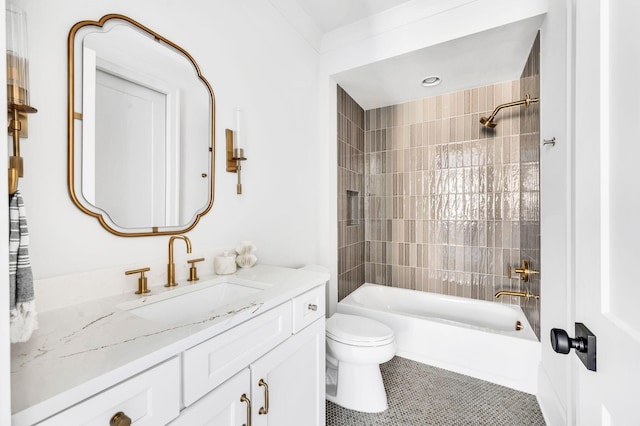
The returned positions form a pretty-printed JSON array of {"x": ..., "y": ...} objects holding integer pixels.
[{"x": 526, "y": 102}]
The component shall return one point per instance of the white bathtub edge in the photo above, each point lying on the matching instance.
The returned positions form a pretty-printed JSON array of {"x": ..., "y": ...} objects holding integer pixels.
[
  {"x": 552, "y": 410},
  {"x": 507, "y": 359}
]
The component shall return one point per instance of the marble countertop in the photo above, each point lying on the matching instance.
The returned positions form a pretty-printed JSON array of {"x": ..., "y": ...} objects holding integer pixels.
[{"x": 81, "y": 349}]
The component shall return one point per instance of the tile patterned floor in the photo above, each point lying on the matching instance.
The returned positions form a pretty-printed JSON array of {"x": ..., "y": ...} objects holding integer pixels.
[{"x": 421, "y": 395}]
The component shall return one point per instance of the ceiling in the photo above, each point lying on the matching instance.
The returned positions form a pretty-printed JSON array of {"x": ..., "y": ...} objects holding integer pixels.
[
  {"x": 484, "y": 58},
  {"x": 487, "y": 57},
  {"x": 331, "y": 14}
]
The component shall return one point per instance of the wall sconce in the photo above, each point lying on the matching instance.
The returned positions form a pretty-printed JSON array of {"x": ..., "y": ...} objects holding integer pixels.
[
  {"x": 17, "y": 87},
  {"x": 235, "y": 154}
]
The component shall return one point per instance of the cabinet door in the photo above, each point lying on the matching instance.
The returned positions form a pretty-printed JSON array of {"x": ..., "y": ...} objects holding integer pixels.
[
  {"x": 287, "y": 383},
  {"x": 209, "y": 364},
  {"x": 224, "y": 406}
]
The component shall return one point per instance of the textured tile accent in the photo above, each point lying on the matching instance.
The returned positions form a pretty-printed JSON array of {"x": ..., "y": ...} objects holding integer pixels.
[{"x": 421, "y": 395}]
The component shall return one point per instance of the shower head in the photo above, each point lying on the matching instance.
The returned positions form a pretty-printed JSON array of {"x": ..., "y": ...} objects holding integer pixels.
[{"x": 488, "y": 121}]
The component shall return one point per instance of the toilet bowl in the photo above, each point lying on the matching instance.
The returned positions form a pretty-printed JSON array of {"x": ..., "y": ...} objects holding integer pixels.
[{"x": 356, "y": 346}]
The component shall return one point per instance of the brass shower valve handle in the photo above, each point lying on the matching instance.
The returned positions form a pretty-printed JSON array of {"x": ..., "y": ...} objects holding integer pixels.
[
  {"x": 142, "y": 280},
  {"x": 523, "y": 270},
  {"x": 193, "y": 272}
]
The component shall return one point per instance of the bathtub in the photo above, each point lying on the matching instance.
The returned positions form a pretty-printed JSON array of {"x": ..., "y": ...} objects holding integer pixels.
[{"x": 471, "y": 337}]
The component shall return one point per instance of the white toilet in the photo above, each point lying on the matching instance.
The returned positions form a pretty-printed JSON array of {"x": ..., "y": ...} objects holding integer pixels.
[{"x": 356, "y": 346}]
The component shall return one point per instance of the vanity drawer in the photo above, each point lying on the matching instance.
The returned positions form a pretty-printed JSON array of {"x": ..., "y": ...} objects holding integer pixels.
[
  {"x": 308, "y": 307},
  {"x": 150, "y": 398},
  {"x": 212, "y": 362}
]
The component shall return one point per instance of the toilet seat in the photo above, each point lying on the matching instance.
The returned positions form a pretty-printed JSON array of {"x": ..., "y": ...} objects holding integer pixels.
[{"x": 358, "y": 331}]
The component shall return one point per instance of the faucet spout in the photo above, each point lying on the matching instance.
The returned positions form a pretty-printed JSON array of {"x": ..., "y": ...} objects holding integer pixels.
[
  {"x": 171, "y": 268},
  {"x": 524, "y": 294}
]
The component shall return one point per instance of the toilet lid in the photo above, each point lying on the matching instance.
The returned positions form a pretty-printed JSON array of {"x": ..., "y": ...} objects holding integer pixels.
[{"x": 356, "y": 330}]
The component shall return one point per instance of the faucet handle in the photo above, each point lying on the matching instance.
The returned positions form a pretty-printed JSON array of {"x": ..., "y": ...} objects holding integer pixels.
[
  {"x": 523, "y": 270},
  {"x": 142, "y": 280},
  {"x": 193, "y": 272}
]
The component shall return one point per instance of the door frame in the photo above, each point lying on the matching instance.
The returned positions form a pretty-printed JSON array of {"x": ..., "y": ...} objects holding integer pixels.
[{"x": 556, "y": 384}]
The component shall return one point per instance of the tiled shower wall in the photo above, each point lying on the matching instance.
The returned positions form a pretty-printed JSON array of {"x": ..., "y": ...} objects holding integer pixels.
[
  {"x": 530, "y": 183},
  {"x": 443, "y": 195},
  {"x": 350, "y": 194}
]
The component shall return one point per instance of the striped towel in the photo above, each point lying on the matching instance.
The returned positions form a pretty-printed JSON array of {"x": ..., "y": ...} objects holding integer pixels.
[{"x": 22, "y": 309}]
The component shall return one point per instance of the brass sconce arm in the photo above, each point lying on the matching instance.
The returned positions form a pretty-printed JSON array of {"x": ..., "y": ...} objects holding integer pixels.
[
  {"x": 235, "y": 157},
  {"x": 16, "y": 121}
]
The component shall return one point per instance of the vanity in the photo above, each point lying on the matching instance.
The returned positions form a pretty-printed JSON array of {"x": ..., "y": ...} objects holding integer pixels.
[{"x": 241, "y": 349}]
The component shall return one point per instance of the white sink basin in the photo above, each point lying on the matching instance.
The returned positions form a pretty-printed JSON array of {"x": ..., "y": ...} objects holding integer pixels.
[{"x": 198, "y": 301}]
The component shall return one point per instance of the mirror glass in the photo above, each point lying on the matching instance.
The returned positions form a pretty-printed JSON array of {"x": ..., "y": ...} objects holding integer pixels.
[{"x": 141, "y": 129}]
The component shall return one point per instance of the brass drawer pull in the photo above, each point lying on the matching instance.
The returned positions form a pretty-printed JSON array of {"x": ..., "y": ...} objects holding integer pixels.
[
  {"x": 244, "y": 398},
  {"x": 121, "y": 419},
  {"x": 265, "y": 409},
  {"x": 312, "y": 307}
]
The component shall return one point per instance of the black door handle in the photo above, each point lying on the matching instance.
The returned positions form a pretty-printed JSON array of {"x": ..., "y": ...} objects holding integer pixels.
[
  {"x": 562, "y": 343},
  {"x": 584, "y": 344}
]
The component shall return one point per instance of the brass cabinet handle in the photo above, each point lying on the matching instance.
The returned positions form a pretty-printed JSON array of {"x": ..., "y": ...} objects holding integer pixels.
[
  {"x": 121, "y": 419},
  {"x": 244, "y": 398},
  {"x": 265, "y": 409},
  {"x": 312, "y": 307}
]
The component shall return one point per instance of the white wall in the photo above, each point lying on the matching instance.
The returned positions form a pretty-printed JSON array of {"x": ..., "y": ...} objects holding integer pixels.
[{"x": 253, "y": 60}]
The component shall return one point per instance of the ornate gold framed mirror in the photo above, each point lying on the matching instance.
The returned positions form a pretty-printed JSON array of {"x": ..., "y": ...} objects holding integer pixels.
[{"x": 140, "y": 129}]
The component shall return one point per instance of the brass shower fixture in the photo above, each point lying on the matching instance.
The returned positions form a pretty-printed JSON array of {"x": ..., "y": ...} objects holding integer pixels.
[
  {"x": 524, "y": 294},
  {"x": 488, "y": 122}
]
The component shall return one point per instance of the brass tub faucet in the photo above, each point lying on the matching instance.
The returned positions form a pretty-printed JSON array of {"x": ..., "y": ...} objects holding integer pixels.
[
  {"x": 171, "y": 267},
  {"x": 524, "y": 294}
]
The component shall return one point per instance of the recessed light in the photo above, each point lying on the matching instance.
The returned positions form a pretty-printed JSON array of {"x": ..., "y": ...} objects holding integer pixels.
[{"x": 432, "y": 80}]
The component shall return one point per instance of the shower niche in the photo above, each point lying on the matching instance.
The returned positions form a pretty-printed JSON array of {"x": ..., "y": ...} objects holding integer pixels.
[{"x": 353, "y": 208}]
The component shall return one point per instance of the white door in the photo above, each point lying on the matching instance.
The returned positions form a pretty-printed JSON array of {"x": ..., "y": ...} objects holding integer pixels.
[
  {"x": 607, "y": 208},
  {"x": 130, "y": 151}
]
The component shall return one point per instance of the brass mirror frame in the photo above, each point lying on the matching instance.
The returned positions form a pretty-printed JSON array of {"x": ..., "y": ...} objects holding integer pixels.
[{"x": 72, "y": 116}]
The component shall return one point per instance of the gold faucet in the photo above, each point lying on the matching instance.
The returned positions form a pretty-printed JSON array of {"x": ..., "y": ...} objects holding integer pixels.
[
  {"x": 171, "y": 268},
  {"x": 524, "y": 294}
]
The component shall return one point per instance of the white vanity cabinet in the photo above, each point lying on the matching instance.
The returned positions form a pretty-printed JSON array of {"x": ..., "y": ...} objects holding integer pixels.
[
  {"x": 293, "y": 373},
  {"x": 149, "y": 398},
  {"x": 282, "y": 384},
  {"x": 257, "y": 361}
]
